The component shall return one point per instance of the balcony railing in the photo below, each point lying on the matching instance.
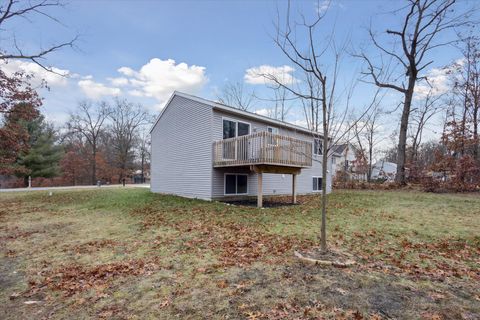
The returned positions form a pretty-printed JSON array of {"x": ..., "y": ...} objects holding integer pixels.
[{"x": 262, "y": 148}]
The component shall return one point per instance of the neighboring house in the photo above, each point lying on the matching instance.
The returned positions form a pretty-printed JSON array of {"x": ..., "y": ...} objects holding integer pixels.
[
  {"x": 384, "y": 170},
  {"x": 207, "y": 150},
  {"x": 345, "y": 160}
]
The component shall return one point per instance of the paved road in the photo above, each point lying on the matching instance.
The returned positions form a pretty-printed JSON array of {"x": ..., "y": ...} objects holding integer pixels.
[{"x": 75, "y": 187}]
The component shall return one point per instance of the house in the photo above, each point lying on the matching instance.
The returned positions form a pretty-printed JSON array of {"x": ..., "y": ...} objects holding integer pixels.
[
  {"x": 345, "y": 160},
  {"x": 207, "y": 150},
  {"x": 384, "y": 170}
]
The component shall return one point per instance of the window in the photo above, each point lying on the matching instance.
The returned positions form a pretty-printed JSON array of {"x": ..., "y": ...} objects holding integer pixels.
[
  {"x": 334, "y": 160},
  {"x": 229, "y": 129},
  {"x": 232, "y": 128},
  {"x": 317, "y": 183},
  {"x": 272, "y": 130},
  {"x": 243, "y": 129},
  {"x": 272, "y": 140},
  {"x": 236, "y": 183},
  {"x": 317, "y": 146}
]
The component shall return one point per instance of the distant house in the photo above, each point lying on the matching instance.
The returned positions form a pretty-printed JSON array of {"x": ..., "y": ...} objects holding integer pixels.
[
  {"x": 345, "y": 161},
  {"x": 207, "y": 150},
  {"x": 384, "y": 170}
]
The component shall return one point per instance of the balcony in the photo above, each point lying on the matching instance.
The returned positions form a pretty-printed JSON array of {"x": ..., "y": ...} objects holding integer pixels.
[{"x": 262, "y": 148}]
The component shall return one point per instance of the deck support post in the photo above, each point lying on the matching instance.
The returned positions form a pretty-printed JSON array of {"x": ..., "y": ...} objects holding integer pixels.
[
  {"x": 294, "y": 188},
  {"x": 260, "y": 191}
]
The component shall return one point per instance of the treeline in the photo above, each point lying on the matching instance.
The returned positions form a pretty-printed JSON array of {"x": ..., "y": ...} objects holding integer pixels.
[
  {"x": 452, "y": 161},
  {"x": 104, "y": 142}
]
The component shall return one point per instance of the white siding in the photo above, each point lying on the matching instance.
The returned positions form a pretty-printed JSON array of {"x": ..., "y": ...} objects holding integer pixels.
[
  {"x": 181, "y": 161},
  {"x": 272, "y": 183}
]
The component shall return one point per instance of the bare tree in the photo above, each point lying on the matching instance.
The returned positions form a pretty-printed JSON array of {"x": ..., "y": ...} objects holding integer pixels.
[
  {"x": 424, "y": 23},
  {"x": 420, "y": 116},
  {"x": 15, "y": 9},
  {"x": 88, "y": 121},
  {"x": 126, "y": 121},
  {"x": 235, "y": 95},
  {"x": 467, "y": 84},
  {"x": 318, "y": 61},
  {"x": 367, "y": 135}
]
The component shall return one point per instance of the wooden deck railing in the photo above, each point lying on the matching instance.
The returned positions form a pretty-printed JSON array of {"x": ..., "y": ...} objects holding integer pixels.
[{"x": 262, "y": 148}]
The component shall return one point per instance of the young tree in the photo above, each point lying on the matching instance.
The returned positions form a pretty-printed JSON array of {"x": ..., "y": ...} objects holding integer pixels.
[
  {"x": 425, "y": 110},
  {"x": 319, "y": 62},
  {"x": 424, "y": 28},
  {"x": 367, "y": 136},
  {"x": 88, "y": 122}
]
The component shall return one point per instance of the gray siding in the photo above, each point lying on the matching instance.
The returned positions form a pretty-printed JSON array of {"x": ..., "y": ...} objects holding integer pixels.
[
  {"x": 181, "y": 161},
  {"x": 272, "y": 183}
]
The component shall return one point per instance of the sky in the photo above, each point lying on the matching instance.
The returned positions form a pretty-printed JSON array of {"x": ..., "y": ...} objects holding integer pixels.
[{"x": 144, "y": 50}]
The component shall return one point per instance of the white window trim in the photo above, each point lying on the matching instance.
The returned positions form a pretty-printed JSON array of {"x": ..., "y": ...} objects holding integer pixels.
[
  {"x": 274, "y": 128},
  {"x": 236, "y": 133},
  {"x": 313, "y": 190},
  {"x": 273, "y": 140},
  {"x": 225, "y": 184}
]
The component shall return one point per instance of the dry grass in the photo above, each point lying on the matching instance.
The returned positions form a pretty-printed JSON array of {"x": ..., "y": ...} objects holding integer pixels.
[{"x": 130, "y": 254}]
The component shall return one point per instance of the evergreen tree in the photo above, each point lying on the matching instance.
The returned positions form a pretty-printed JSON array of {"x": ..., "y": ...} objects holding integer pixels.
[
  {"x": 42, "y": 159},
  {"x": 40, "y": 155}
]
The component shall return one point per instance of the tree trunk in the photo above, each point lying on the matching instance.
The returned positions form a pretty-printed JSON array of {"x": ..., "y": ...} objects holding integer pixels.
[
  {"x": 400, "y": 178},
  {"x": 94, "y": 164},
  {"x": 475, "y": 134},
  {"x": 323, "y": 231}
]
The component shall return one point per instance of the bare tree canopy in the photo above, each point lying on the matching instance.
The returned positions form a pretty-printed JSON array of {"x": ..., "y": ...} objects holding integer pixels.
[
  {"x": 15, "y": 9},
  {"x": 126, "y": 121},
  {"x": 235, "y": 95},
  {"x": 424, "y": 27},
  {"x": 88, "y": 121}
]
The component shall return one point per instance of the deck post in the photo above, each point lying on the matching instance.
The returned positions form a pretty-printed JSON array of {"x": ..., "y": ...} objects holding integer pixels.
[
  {"x": 294, "y": 188},
  {"x": 260, "y": 191}
]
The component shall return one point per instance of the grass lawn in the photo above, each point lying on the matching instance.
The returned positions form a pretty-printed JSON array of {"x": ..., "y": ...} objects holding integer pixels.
[{"x": 130, "y": 254}]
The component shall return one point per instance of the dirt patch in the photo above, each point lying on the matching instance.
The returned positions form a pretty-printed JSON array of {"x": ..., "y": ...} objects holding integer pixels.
[
  {"x": 272, "y": 201},
  {"x": 302, "y": 291}
]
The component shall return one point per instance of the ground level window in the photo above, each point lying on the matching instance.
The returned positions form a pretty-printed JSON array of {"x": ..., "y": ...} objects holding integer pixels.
[
  {"x": 236, "y": 183},
  {"x": 317, "y": 183}
]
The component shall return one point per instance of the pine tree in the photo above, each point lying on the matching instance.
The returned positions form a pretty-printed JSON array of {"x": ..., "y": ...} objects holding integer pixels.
[
  {"x": 42, "y": 160},
  {"x": 41, "y": 155}
]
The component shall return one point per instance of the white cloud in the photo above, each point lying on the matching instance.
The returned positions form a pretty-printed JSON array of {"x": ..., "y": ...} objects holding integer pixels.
[
  {"x": 120, "y": 81},
  {"x": 437, "y": 82},
  {"x": 159, "y": 78},
  {"x": 323, "y": 6},
  {"x": 300, "y": 122},
  {"x": 57, "y": 78},
  {"x": 264, "y": 112},
  {"x": 95, "y": 90},
  {"x": 266, "y": 74}
]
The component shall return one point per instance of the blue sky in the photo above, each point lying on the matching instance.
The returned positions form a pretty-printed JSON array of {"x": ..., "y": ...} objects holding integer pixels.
[{"x": 211, "y": 42}]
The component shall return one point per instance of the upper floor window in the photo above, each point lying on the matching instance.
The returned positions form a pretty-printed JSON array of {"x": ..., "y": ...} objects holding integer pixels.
[
  {"x": 232, "y": 128},
  {"x": 272, "y": 130},
  {"x": 317, "y": 146}
]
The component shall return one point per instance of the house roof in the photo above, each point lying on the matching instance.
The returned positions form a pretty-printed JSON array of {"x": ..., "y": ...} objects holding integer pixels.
[
  {"x": 340, "y": 148},
  {"x": 229, "y": 109}
]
